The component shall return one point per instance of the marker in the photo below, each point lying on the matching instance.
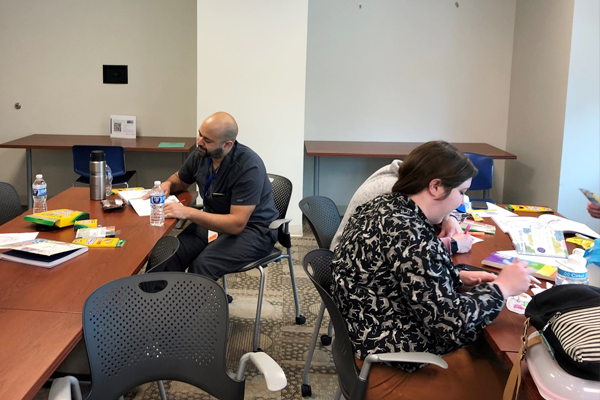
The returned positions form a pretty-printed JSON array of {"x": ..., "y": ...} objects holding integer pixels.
[
  {"x": 467, "y": 228},
  {"x": 534, "y": 279},
  {"x": 480, "y": 234}
]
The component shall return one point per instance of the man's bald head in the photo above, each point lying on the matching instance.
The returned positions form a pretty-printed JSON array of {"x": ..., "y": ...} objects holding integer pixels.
[{"x": 221, "y": 124}]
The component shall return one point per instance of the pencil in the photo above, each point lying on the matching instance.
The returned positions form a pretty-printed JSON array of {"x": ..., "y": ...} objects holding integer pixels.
[{"x": 480, "y": 234}]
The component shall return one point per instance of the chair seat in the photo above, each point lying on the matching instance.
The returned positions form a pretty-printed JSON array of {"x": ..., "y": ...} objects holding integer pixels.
[
  {"x": 274, "y": 255},
  {"x": 117, "y": 180}
]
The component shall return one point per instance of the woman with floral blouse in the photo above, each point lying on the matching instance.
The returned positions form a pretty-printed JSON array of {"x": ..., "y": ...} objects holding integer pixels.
[{"x": 397, "y": 288}]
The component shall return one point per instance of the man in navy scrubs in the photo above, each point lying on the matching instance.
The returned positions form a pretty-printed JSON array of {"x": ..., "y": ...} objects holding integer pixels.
[{"x": 238, "y": 203}]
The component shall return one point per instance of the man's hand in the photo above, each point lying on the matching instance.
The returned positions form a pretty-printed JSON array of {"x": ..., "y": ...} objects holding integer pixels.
[
  {"x": 474, "y": 278},
  {"x": 177, "y": 210},
  {"x": 450, "y": 227},
  {"x": 593, "y": 209},
  {"x": 166, "y": 187}
]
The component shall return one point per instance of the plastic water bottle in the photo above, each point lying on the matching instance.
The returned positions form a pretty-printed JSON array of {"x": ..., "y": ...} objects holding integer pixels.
[
  {"x": 39, "y": 194},
  {"x": 157, "y": 204},
  {"x": 109, "y": 179},
  {"x": 572, "y": 271}
]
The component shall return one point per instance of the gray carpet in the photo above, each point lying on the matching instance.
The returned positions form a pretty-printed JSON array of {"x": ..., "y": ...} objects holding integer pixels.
[{"x": 281, "y": 338}]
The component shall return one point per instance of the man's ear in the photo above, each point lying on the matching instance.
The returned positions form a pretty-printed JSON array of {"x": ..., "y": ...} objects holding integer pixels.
[
  {"x": 228, "y": 145},
  {"x": 436, "y": 190}
]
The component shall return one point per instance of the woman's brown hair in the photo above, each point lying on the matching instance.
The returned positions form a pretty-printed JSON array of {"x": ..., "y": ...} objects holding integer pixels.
[{"x": 433, "y": 160}]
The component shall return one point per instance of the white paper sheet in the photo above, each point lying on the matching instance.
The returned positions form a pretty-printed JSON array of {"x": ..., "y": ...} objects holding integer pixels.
[
  {"x": 142, "y": 207},
  {"x": 8, "y": 240}
]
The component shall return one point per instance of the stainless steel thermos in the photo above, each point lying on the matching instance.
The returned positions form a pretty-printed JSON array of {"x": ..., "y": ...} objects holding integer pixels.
[{"x": 97, "y": 175}]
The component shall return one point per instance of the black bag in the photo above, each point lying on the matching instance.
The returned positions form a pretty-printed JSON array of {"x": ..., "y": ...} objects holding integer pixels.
[{"x": 568, "y": 319}]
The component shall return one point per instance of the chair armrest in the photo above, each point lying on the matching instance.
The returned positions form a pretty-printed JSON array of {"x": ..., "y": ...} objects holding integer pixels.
[
  {"x": 65, "y": 388},
  {"x": 410, "y": 357},
  {"x": 279, "y": 222},
  {"x": 274, "y": 375}
]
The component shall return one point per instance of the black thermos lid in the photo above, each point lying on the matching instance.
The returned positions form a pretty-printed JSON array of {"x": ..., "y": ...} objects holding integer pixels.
[{"x": 97, "y": 155}]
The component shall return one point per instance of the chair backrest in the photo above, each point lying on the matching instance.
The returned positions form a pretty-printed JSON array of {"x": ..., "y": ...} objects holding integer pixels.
[
  {"x": 161, "y": 253},
  {"x": 179, "y": 333},
  {"x": 322, "y": 216},
  {"x": 115, "y": 158},
  {"x": 282, "y": 193},
  {"x": 317, "y": 265},
  {"x": 485, "y": 166},
  {"x": 10, "y": 204}
]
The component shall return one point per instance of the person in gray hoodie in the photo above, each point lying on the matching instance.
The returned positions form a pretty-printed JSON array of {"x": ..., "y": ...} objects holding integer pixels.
[{"x": 381, "y": 182}]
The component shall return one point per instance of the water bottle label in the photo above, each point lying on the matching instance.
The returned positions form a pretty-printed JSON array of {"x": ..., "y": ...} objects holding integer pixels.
[
  {"x": 572, "y": 275},
  {"x": 157, "y": 199},
  {"x": 39, "y": 192}
]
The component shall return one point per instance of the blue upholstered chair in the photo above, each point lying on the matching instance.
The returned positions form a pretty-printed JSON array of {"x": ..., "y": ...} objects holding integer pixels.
[
  {"x": 115, "y": 158},
  {"x": 484, "y": 178}
]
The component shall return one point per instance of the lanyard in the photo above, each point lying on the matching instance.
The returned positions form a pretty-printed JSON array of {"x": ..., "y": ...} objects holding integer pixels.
[{"x": 209, "y": 177}]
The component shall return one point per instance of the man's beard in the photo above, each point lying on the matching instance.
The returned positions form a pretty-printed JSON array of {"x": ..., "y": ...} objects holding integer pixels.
[{"x": 216, "y": 153}]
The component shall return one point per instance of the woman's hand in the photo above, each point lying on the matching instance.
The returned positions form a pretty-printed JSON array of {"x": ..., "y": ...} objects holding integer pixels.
[
  {"x": 464, "y": 241},
  {"x": 474, "y": 278},
  {"x": 450, "y": 227},
  {"x": 514, "y": 279}
]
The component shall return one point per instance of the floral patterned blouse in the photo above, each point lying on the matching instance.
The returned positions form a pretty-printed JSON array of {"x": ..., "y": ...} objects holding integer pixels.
[{"x": 396, "y": 285}]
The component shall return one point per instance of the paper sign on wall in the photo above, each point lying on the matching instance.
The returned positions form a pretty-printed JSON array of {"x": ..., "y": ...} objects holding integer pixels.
[{"x": 122, "y": 126}]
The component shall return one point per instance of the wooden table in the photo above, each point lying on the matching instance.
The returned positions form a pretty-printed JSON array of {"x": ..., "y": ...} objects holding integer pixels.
[
  {"x": 49, "y": 142},
  {"x": 40, "y": 309},
  {"x": 317, "y": 149},
  {"x": 504, "y": 334}
]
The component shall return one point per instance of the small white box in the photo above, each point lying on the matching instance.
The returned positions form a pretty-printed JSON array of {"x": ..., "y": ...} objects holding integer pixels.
[{"x": 122, "y": 126}]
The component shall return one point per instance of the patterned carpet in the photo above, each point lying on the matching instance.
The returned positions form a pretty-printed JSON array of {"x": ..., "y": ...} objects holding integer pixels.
[{"x": 280, "y": 337}]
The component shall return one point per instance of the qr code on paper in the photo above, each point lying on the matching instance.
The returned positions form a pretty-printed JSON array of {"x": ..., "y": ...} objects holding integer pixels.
[{"x": 117, "y": 127}]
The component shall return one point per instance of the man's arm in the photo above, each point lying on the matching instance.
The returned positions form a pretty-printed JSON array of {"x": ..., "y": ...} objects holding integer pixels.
[
  {"x": 173, "y": 184},
  {"x": 232, "y": 223}
]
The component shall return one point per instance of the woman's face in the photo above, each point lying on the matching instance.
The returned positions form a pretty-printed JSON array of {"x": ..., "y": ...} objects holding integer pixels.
[{"x": 450, "y": 203}]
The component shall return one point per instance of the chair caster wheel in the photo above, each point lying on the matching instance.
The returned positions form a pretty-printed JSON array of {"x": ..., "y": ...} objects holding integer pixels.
[
  {"x": 229, "y": 299},
  {"x": 306, "y": 390},
  {"x": 300, "y": 320},
  {"x": 325, "y": 340}
]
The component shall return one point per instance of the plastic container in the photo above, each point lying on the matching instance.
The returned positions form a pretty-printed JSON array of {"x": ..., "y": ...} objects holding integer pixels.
[
  {"x": 573, "y": 271},
  {"x": 108, "y": 182},
  {"x": 592, "y": 257},
  {"x": 552, "y": 381},
  {"x": 40, "y": 194},
  {"x": 157, "y": 204}
]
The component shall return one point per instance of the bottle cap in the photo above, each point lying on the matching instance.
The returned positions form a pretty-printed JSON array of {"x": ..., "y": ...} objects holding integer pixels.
[
  {"x": 39, "y": 176},
  {"x": 156, "y": 183},
  {"x": 97, "y": 155},
  {"x": 575, "y": 262}
]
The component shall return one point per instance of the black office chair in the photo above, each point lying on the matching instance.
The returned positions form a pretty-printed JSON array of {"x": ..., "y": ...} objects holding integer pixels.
[
  {"x": 115, "y": 158},
  {"x": 180, "y": 333},
  {"x": 484, "y": 178},
  {"x": 323, "y": 217},
  {"x": 282, "y": 192},
  {"x": 324, "y": 220},
  {"x": 353, "y": 382},
  {"x": 161, "y": 253},
  {"x": 11, "y": 204}
]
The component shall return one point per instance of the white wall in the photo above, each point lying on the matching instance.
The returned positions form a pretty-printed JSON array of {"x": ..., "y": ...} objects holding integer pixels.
[
  {"x": 51, "y": 57},
  {"x": 404, "y": 70},
  {"x": 252, "y": 64},
  {"x": 580, "y": 165}
]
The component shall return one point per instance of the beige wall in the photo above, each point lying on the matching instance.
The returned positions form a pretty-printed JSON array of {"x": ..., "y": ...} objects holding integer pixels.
[
  {"x": 538, "y": 92},
  {"x": 51, "y": 60}
]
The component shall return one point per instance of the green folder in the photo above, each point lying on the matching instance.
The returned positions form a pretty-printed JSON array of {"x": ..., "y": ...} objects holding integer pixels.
[{"x": 168, "y": 144}]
